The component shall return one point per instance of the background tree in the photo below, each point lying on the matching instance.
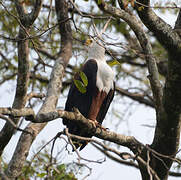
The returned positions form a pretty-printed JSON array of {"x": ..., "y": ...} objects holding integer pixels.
[{"x": 38, "y": 40}]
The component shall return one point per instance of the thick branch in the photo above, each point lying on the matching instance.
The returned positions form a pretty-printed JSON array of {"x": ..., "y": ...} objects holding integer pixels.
[
  {"x": 18, "y": 112},
  {"x": 21, "y": 88},
  {"x": 163, "y": 32},
  {"x": 127, "y": 141},
  {"x": 27, "y": 19},
  {"x": 54, "y": 87},
  {"x": 167, "y": 134},
  {"x": 35, "y": 12}
]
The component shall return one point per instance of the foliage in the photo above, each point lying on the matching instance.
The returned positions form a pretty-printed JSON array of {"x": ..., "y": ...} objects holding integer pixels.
[
  {"x": 81, "y": 84},
  {"x": 41, "y": 168}
]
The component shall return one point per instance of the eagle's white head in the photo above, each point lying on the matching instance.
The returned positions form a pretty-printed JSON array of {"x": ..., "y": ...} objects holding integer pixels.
[{"x": 95, "y": 50}]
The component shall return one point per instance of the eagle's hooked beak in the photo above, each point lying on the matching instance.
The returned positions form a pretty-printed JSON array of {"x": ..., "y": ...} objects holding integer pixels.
[{"x": 87, "y": 42}]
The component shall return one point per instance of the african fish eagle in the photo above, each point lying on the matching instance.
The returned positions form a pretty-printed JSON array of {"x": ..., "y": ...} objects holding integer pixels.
[{"x": 94, "y": 103}]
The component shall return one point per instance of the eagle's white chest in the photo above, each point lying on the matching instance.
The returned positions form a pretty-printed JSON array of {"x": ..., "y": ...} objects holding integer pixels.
[{"x": 105, "y": 77}]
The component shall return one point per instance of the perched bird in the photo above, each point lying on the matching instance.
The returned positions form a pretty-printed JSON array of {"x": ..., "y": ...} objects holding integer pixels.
[{"x": 94, "y": 103}]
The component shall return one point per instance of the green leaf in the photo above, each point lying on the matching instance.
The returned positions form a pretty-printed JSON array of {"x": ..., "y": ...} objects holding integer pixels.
[
  {"x": 113, "y": 63},
  {"x": 80, "y": 86},
  {"x": 99, "y": 2},
  {"x": 141, "y": 8},
  {"x": 41, "y": 175},
  {"x": 83, "y": 78}
]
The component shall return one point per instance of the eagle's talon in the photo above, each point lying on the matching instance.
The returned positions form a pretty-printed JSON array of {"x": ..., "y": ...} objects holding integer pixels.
[
  {"x": 97, "y": 125},
  {"x": 94, "y": 123}
]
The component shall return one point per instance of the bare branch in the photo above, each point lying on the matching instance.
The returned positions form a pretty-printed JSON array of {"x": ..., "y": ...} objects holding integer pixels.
[
  {"x": 18, "y": 112},
  {"x": 34, "y": 95},
  {"x": 127, "y": 155},
  {"x": 36, "y": 10},
  {"x": 123, "y": 140},
  {"x": 7, "y": 78},
  {"x": 13, "y": 124},
  {"x": 141, "y": 161},
  {"x": 128, "y": 163},
  {"x": 27, "y": 19},
  {"x": 164, "y": 32},
  {"x": 137, "y": 97},
  {"x": 70, "y": 136},
  {"x": 109, "y": 155},
  {"x": 53, "y": 92},
  {"x": 148, "y": 166},
  {"x": 22, "y": 82}
]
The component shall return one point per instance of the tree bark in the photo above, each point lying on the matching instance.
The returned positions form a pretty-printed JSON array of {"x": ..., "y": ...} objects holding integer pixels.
[{"x": 53, "y": 92}]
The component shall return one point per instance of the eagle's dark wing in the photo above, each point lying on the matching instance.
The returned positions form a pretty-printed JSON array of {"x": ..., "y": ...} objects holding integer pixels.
[{"x": 81, "y": 101}]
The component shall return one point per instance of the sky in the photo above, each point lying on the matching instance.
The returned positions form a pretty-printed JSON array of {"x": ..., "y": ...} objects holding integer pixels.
[{"x": 139, "y": 116}]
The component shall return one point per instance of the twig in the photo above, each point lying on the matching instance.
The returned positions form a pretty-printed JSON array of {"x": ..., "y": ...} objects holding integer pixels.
[
  {"x": 50, "y": 9},
  {"x": 43, "y": 147},
  {"x": 109, "y": 155},
  {"x": 105, "y": 26},
  {"x": 54, "y": 140},
  {"x": 86, "y": 15},
  {"x": 162, "y": 155},
  {"x": 13, "y": 124},
  {"x": 148, "y": 166},
  {"x": 35, "y": 95},
  {"x": 128, "y": 163},
  {"x": 158, "y": 7},
  {"x": 138, "y": 158},
  {"x": 74, "y": 148},
  {"x": 90, "y": 170}
]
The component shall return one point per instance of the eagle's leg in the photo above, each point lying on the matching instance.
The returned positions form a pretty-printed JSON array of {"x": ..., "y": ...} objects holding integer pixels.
[
  {"x": 97, "y": 101},
  {"x": 96, "y": 124}
]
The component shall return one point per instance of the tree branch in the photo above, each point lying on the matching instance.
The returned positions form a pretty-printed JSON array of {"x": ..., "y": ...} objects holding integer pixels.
[
  {"x": 34, "y": 95},
  {"x": 54, "y": 87},
  {"x": 22, "y": 84},
  {"x": 127, "y": 141},
  {"x": 27, "y": 19},
  {"x": 27, "y": 112},
  {"x": 163, "y": 32},
  {"x": 128, "y": 163},
  {"x": 122, "y": 155},
  {"x": 136, "y": 97},
  {"x": 109, "y": 155},
  {"x": 12, "y": 123}
]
